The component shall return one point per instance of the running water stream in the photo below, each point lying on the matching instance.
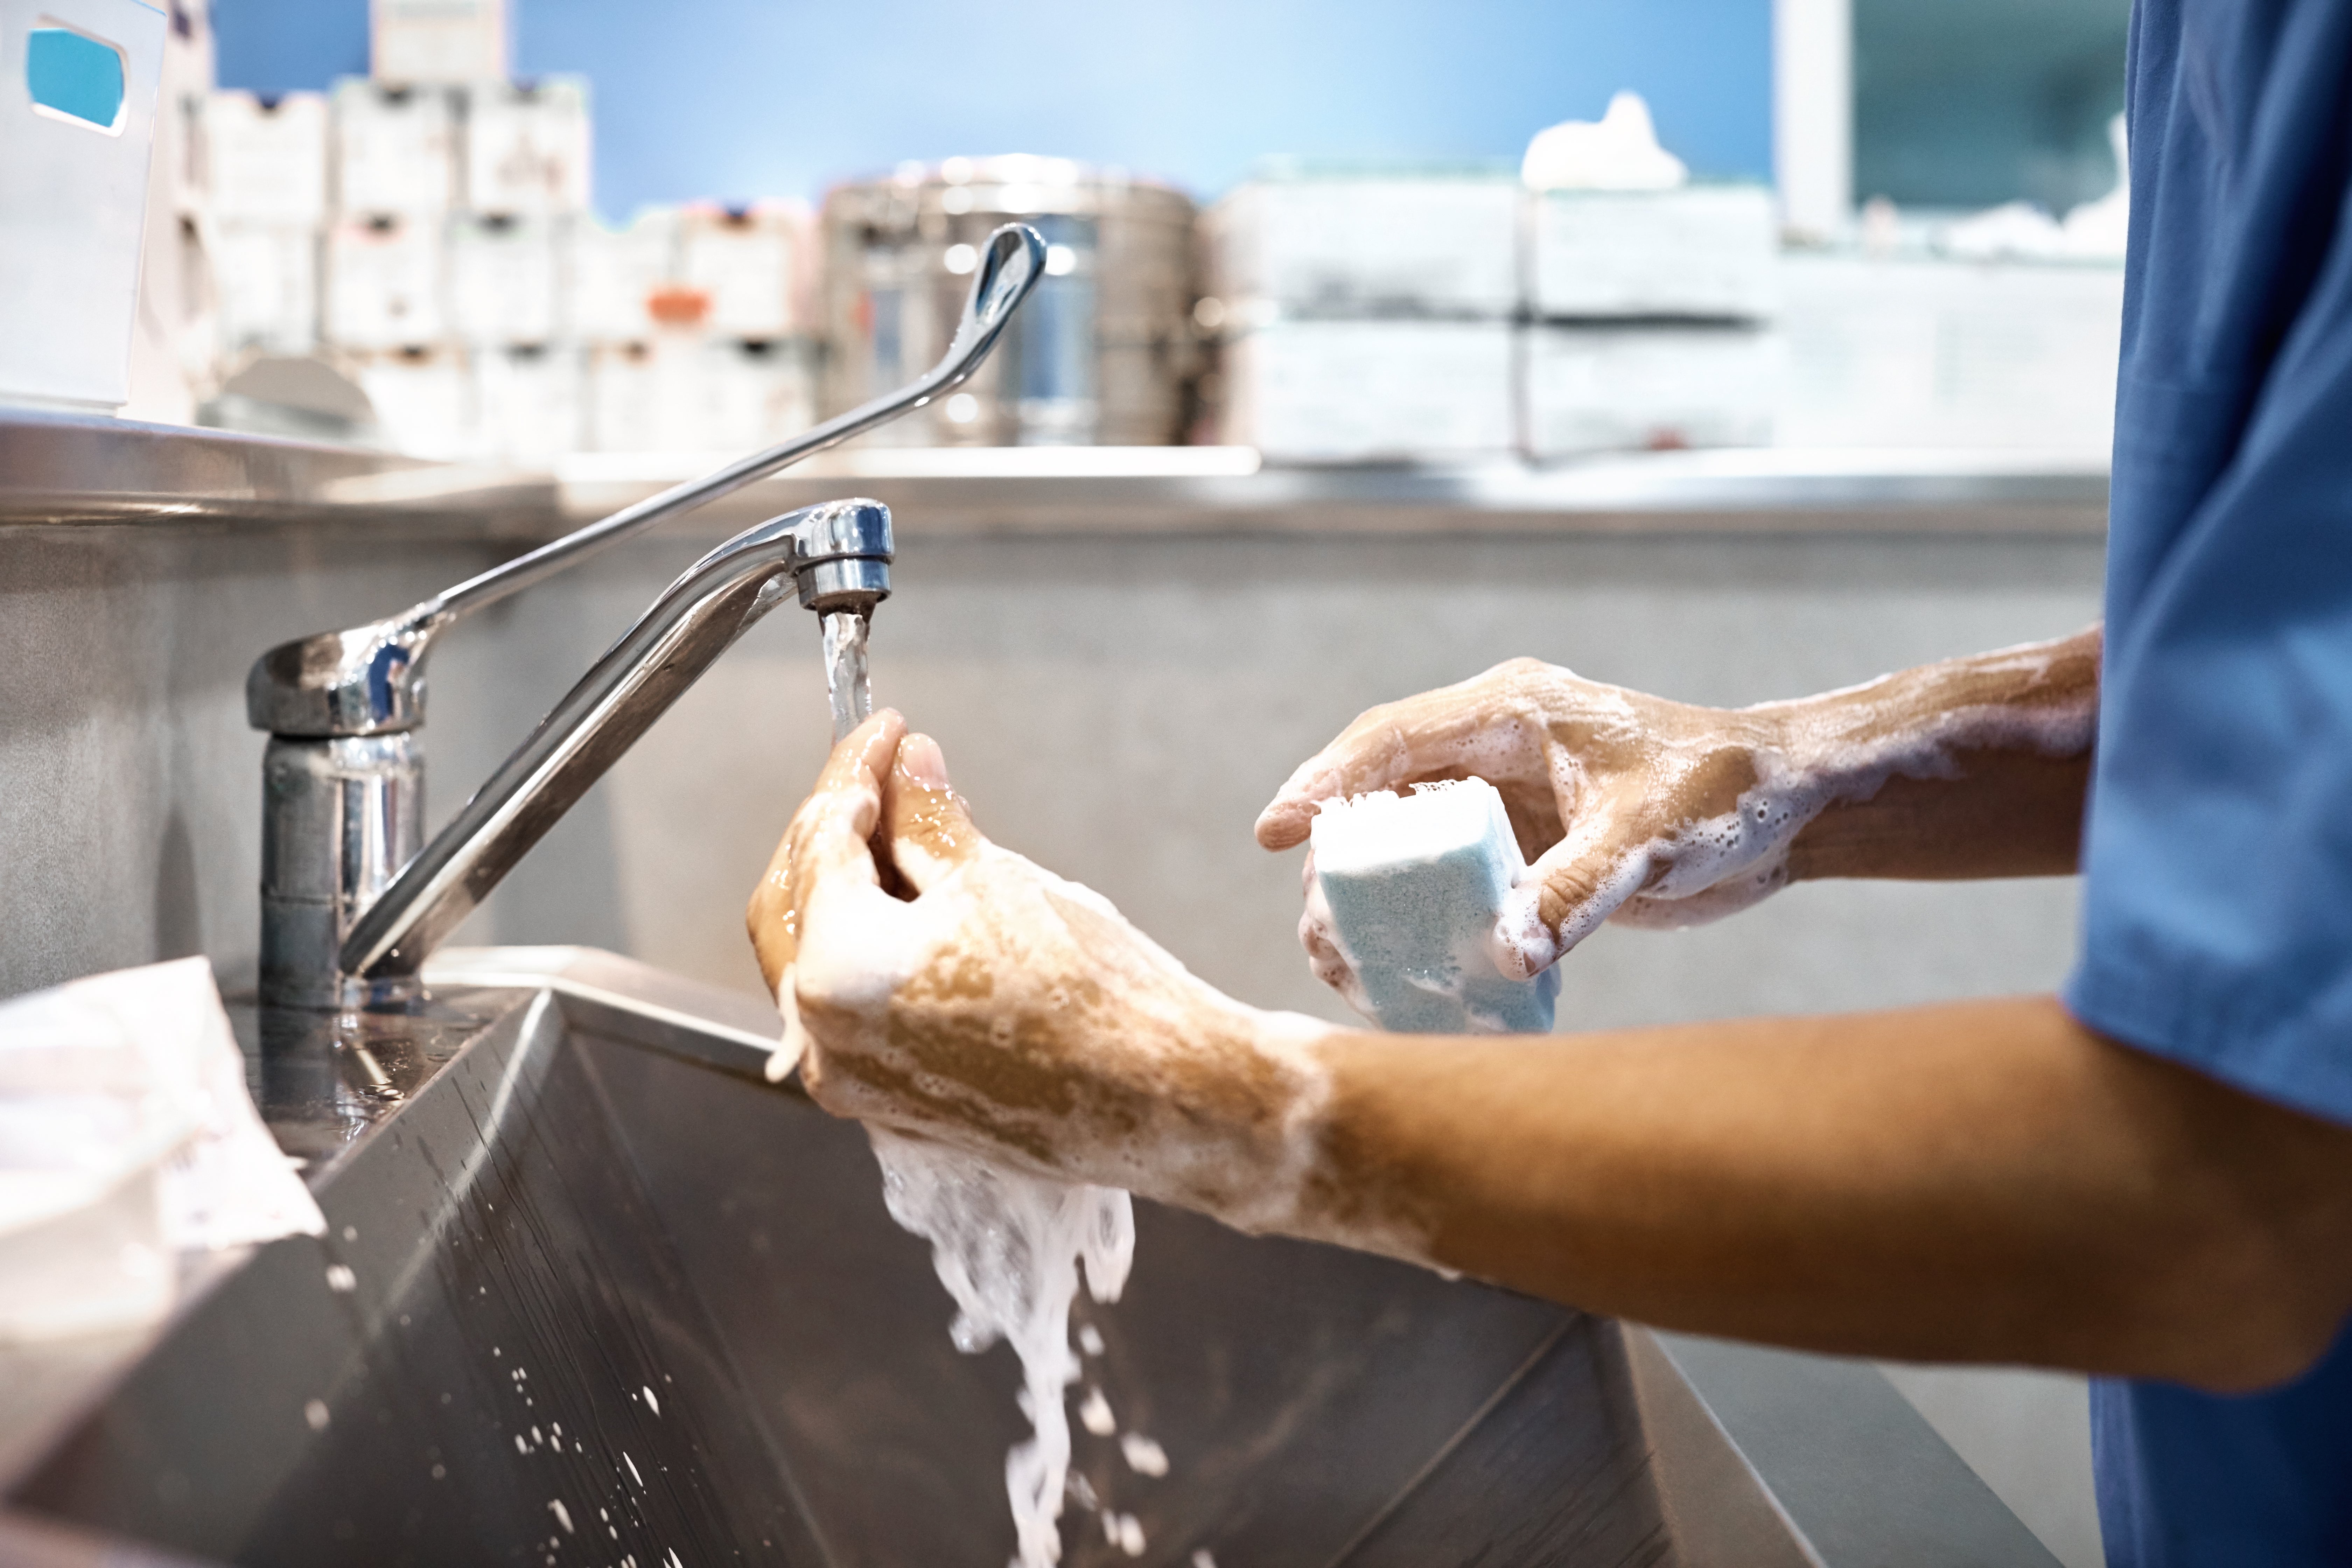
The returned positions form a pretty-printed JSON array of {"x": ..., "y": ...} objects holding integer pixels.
[
  {"x": 847, "y": 686},
  {"x": 1008, "y": 1247}
]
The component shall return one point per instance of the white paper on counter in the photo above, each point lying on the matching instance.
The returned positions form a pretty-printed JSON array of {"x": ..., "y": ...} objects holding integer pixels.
[{"x": 126, "y": 1134}]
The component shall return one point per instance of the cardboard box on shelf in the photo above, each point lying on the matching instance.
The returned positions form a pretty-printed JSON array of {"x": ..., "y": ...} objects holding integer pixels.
[
  {"x": 1372, "y": 246},
  {"x": 752, "y": 262},
  {"x": 504, "y": 284},
  {"x": 437, "y": 41},
  {"x": 385, "y": 283},
  {"x": 1701, "y": 251},
  {"x": 611, "y": 274},
  {"x": 1599, "y": 388},
  {"x": 265, "y": 286},
  {"x": 424, "y": 401},
  {"x": 394, "y": 149},
  {"x": 262, "y": 160},
  {"x": 527, "y": 147},
  {"x": 528, "y": 402},
  {"x": 1331, "y": 392}
]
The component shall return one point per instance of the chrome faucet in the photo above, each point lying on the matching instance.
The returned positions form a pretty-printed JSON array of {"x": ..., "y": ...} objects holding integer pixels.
[{"x": 349, "y": 906}]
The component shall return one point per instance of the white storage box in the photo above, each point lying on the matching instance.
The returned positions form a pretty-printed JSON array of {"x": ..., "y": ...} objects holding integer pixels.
[
  {"x": 655, "y": 397},
  {"x": 757, "y": 393},
  {"x": 1441, "y": 246},
  {"x": 625, "y": 399},
  {"x": 396, "y": 150},
  {"x": 750, "y": 261},
  {"x": 385, "y": 283},
  {"x": 77, "y": 127},
  {"x": 528, "y": 401},
  {"x": 1608, "y": 388},
  {"x": 265, "y": 286},
  {"x": 1927, "y": 353},
  {"x": 1336, "y": 391},
  {"x": 610, "y": 273},
  {"x": 527, "y": 147},
  {"x": 1701, "y": 251},
  {"x": 444, "y": 41},
  {"x": 424, "y": 401},
  {"x": 503, "y": 283},
  {"x": 263, "y": 162}
]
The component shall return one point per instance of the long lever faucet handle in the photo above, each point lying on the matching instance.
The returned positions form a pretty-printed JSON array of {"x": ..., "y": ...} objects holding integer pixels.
[{"x": 368, "y": 680}]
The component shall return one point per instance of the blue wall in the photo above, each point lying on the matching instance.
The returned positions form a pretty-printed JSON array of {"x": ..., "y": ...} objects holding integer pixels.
[{"x": 747, "y": 98}]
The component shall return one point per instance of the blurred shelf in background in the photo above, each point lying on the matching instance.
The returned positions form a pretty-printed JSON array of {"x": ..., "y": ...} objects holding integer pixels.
[{"x": 65, "y": 470}]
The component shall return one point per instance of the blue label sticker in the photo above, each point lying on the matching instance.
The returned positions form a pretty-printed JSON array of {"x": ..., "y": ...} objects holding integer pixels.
[{"x": 74, "y": 76}]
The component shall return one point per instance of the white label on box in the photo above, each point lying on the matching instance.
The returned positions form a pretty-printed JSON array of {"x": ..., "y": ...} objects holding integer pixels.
[
  {"x": 396, "y": 150},
  {"x": 1413, "y": 246},
  {"x": 384, "y": 284},
  {"x": 264, "y": 164},
  {"x": 1700, "y": 251},
  {"x": 528, "y": 403},
  {"x": 503, "y": 287},
  {"x": 758, "y": 396},
  {"x": 442, "y": 41},
  {"x": 266, "y": 283},
  {"x": 610, "y": 276},
  {"x": 527, "y": 150},
  {"x": 1354, "y": 391},
  {"x": 624, "y": 401},
  {"x": 1921, "y": 353},
  {"x": 1596, "y": 389},
  {"x": 424, "y": 401},
  {"x": 746, "y": 263}
]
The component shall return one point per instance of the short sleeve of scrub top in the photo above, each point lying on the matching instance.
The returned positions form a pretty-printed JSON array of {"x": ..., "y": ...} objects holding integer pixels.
[{"x": 2217, "y": 850}]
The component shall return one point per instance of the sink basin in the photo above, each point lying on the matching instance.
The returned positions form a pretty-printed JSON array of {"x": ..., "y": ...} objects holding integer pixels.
[{"x": 593, "y": 1291}]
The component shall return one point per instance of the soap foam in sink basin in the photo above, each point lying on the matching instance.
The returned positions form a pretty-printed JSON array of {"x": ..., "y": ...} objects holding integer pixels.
[{"x": 1411, "y": 886}]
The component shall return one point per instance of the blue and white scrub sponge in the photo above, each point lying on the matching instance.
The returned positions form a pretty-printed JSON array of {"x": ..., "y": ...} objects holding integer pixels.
[{"x": 1411, "y": 886}]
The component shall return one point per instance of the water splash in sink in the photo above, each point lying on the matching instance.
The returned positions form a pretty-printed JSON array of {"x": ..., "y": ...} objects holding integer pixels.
[{"x": 1009, "y": 1247}]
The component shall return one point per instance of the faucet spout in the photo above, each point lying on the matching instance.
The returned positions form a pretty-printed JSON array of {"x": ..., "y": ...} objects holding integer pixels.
[
  {"x": 369, "y": 679},
  {"x": 837, "y": 554}
]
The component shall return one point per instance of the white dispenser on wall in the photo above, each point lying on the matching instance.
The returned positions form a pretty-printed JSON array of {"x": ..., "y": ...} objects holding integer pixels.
[{"x": 77, "y": 83}]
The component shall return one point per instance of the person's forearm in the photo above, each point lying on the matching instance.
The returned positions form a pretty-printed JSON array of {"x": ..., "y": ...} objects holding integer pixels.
[
  {"x": 1973, "y": 767},
  {"x": 1978, "y": 1182}
]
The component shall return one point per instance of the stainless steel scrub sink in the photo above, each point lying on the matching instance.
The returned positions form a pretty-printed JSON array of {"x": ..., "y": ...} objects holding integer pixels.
[{"x": 592, "y": 1291}]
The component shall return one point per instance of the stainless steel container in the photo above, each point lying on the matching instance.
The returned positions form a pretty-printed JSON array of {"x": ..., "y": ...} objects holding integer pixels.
[{"x": 1104, "y": 352}]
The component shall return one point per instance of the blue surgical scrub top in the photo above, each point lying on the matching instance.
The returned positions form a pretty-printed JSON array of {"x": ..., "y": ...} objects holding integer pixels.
[{"x": 2218, "y": 850}]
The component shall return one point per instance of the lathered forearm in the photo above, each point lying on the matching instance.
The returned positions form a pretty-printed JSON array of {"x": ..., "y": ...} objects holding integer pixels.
[
  {"x": 1981, "y": 1182},
  {"x": 1973, "y": 767}
]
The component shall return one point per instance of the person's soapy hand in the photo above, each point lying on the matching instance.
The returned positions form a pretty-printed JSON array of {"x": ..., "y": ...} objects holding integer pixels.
[
  {"x": 938, "y": 984},
  {"x": 1626, "y": 806},
  {"x": 1633, "y": 808}
]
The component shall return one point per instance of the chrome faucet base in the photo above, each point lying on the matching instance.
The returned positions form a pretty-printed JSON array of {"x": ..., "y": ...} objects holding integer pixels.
[{"x": 340, "y": 818}]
